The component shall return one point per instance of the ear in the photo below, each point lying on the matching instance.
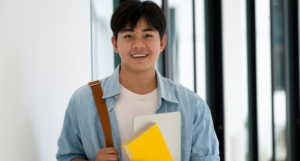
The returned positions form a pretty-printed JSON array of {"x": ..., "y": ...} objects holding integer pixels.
[
  {"x": 115, "y": 45},
  {"x": 163, "y": 43}
]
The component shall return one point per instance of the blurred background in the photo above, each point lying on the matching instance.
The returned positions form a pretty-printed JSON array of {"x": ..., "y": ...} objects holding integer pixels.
[{"x": 240, "y": 56}]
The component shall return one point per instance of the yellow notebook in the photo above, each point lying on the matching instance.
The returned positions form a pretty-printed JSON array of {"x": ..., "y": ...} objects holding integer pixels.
[{"x": 148, "y": 145}]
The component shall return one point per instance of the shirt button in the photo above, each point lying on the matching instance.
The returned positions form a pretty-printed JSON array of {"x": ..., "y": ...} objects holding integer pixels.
[
  {"x": 165, "y": 105},
  {"x": 116, "y": 96}
]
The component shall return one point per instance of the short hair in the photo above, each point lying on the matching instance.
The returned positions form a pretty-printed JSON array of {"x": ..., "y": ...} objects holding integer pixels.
[{"x": 130, "y": 11}]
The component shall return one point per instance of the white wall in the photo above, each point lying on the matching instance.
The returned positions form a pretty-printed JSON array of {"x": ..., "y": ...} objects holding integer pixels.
[{"x": 45, "y": 56}]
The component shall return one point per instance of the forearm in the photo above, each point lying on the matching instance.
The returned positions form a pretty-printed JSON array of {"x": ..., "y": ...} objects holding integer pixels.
[{"x": 80, "y": 159}]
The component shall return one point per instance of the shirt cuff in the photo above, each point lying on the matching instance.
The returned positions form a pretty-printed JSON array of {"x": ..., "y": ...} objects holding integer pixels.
[
  {"x": 206, "y": 158},
  {"x": 70, "y": 157}
]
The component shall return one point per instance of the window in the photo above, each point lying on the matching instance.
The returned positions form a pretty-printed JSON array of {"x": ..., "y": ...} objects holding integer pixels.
[
  {"x": 181, "y": 42},
  {"x": 279, "y": 92},
  {"x": 235, "y": 79},
  {"x": 200, "y": 48},
  {"x": 264, "y": 83},
  {"x": 102, "y": 49}
]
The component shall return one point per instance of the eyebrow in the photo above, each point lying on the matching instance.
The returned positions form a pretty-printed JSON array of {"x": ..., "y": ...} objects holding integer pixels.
[
  {"x": 144, "y": 30},
  {"x": 149, "y": 29}
]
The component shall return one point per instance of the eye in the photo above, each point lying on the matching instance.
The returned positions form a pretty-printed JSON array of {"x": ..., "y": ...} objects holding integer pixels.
[
  {"x": 128, "y": 36},
  {"x": 147, "y": 36}
]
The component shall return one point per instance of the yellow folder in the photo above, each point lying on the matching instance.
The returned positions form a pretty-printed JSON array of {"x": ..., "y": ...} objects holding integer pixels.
[{"x": 148, "y": 145}]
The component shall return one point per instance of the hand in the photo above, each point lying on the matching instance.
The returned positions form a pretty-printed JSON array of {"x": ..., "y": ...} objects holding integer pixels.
[{"x": 107, "y": 154}]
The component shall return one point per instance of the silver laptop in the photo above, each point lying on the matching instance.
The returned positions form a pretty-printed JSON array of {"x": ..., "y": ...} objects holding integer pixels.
[{"x": 170, "y": 127}]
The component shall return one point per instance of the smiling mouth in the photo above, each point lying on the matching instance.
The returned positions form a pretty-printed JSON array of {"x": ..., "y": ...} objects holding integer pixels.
[{"x": 139, "y": 55}]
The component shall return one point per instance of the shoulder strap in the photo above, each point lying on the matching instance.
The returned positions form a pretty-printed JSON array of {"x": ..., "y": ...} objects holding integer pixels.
[{"x": 102, "y": 112}]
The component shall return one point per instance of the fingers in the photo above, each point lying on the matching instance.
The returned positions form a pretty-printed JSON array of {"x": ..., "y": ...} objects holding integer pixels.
[
  {"x": 109, "y": 150},
  {"x": 107, "y": 154},
  {"x": 111, "y": 157}
]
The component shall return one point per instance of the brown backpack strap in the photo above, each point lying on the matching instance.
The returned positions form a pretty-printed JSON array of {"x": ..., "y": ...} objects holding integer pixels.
[{"x": 102, "y": 112}]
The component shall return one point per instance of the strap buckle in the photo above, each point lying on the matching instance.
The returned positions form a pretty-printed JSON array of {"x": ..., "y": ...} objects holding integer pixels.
[{"x": 91, "y": 84}]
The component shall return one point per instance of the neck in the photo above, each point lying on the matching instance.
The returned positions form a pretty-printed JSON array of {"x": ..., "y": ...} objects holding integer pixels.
[{"x": 141, "y": 82}]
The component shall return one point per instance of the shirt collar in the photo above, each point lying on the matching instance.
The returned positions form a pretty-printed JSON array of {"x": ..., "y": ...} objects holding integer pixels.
[
  {"x": 111, "y": 87},
  {"x": 164, "y": 89}
]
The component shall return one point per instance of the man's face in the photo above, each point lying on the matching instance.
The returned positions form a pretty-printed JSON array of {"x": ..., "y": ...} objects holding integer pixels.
[{"x": 139, "y": 48}]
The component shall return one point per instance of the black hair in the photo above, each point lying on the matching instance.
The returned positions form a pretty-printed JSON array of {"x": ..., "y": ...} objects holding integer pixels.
[{"x": 130, "y": 11}]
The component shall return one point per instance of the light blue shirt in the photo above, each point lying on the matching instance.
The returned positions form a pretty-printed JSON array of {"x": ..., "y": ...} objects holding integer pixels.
[{"x": 82, "y": 134}]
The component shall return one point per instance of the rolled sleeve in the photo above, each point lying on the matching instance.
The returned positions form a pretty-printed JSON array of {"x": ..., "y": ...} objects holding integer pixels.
[
  {"x": 69, "y": 142},
  {"x": 205, "y": 144},
  {"x": 206, "y": 158},
  {"x": 70, "y": 157}
]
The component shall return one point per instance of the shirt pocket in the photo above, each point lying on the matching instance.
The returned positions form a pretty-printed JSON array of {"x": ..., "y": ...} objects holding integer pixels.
[{"x": 186, "y": 144}]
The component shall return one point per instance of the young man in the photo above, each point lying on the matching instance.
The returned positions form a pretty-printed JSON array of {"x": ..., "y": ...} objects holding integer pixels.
[{"x": 136, "y": 88}]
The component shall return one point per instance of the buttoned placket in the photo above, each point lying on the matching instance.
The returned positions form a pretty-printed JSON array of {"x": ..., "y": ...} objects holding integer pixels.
[{"x": 163, "y": 107}]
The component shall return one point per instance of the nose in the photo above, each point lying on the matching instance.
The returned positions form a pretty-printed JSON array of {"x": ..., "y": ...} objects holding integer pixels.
[{"x": 138, "y": 43}]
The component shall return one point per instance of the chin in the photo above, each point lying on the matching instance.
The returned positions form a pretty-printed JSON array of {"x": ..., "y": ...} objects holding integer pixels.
[
  {"x": 138, "y": 67},
  {"x": 141, "y": 68}
]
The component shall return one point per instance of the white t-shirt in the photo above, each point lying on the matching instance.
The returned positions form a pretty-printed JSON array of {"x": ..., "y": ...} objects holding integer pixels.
[{"x": 130, "y": 105}]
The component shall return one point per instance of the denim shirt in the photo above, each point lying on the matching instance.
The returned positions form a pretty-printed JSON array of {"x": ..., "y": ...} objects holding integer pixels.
[{"x": 82, "y": 134}]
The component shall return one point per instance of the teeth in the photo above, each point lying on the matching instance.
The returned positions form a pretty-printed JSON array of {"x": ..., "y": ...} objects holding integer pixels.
[{"x": 137, "y": 55}]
